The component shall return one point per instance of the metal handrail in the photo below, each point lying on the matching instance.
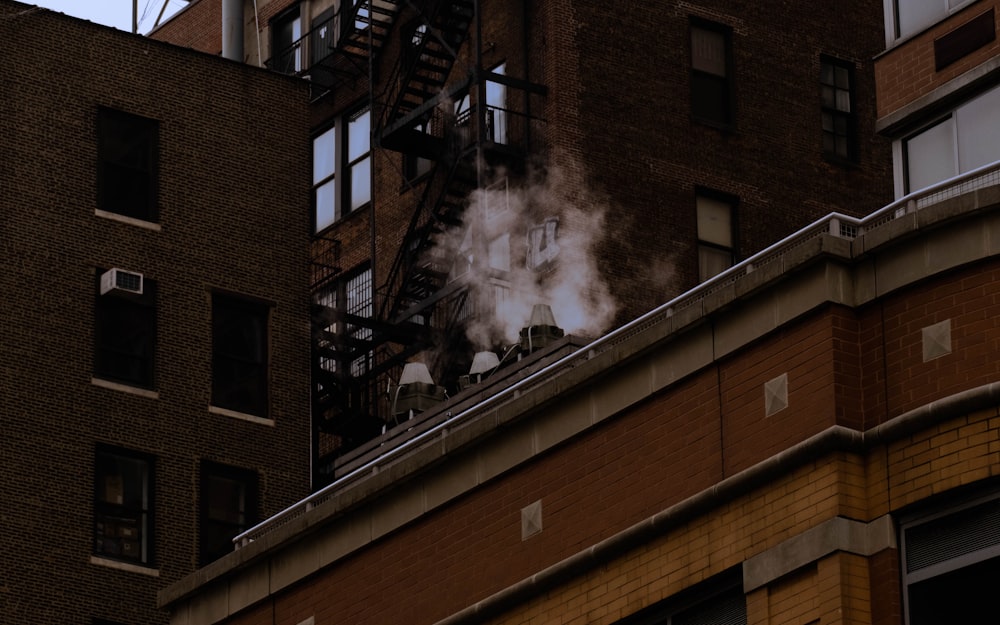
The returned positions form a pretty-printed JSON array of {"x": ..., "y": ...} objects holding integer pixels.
[{"x": 834, "y": 224}]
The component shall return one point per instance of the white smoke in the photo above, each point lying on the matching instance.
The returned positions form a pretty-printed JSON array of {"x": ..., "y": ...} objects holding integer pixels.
[{"x": 527, "y": 245}]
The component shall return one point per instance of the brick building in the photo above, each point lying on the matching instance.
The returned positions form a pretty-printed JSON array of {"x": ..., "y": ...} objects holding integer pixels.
[
  {"x": 155, "y": 235},
  {"x": 812, "y": 439},
  {"x": 939, "y": 90},
  {"x": 474, "y": 158}
]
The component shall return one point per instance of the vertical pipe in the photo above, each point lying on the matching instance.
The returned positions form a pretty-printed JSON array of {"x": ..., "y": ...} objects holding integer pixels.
[{"x": 232, "y": 30}]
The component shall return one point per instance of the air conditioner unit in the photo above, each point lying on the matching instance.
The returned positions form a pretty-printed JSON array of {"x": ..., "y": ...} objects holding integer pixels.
[{"x": 121, "y": 281}]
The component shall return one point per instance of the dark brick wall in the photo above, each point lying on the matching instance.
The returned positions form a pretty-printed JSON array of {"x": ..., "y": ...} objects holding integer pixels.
[
  {"x": 197, "y": 26},
  {"x": 233, "y": 216},
  {"x": 627, "y": 119}
]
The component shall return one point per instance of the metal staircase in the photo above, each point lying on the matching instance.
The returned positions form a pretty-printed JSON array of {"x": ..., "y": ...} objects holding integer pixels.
[{"x": 339, "y": 47}]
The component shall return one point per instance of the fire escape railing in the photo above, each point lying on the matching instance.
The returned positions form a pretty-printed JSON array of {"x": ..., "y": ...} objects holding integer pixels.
[{"x": 338, "y": 48}]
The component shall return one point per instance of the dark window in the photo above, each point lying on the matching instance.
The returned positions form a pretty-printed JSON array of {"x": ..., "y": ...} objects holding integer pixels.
[
  {"x": 716, "y": 221},
  {"x": 837, "y": 96},
  {"x": 715, "y": 601},
  {"x": 127, "y": 164},
  {"x": 951, "y": 561},
  {"x": 711, "y": 73},
  {"x": 416, "y": 166},
  {"x": 239, "y": 355},
  {"x": 228, "y": 507},
  {"x": 125, "y": 333},
  {"x": 286, "y": 42},
  {"x": 123, "y": 485}
]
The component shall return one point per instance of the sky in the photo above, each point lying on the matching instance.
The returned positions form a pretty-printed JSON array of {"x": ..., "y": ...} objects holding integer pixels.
[{"x": 117, "y": 13}]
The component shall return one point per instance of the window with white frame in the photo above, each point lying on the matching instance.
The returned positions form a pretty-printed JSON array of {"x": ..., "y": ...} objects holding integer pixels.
[
  {"x": 951, "y": 561},
  {"x": 342, "y": 152},
  {"x": 966, "y": 138},
  {"x": 716, "y": 251},
  {"x": 908, "y": 17}
]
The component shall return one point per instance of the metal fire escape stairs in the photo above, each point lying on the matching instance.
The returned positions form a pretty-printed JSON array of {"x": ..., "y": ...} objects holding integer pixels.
[
  {"x": 341, "y": 46},
  {"x": 417, "y": 304}
]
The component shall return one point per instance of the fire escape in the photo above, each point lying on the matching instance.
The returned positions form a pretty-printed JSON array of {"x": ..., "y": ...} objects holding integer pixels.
[
  {"x": 339, "y": 47},
  {"x": 429, "y": 115}
]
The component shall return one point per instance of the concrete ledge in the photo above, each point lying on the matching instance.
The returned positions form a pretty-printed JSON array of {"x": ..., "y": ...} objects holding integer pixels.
[
  {"x": 658, "y": 352},
  {"x": 836, "y": 534}
]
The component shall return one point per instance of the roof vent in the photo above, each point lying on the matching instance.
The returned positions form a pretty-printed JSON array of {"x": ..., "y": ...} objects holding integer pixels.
[
  {"x": 416, "y": 392},
  {"x": 483, "y": 365},
  {"x": 541, "y": 330},
  {"x": 121, "y": 281}
]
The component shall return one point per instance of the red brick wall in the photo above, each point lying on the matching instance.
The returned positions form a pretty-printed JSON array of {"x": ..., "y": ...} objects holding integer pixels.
[
  {"x": 907, "y": 72},
  {"x": 704, "y": 428}
]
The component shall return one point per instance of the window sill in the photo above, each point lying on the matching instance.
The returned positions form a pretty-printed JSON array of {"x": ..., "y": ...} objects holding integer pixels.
[
  {"x": 226, "y": 412},
  {"x": 125, "y": 566},
  {"x": 125, "y": 388},
  {"x": 142, "y": 223}
]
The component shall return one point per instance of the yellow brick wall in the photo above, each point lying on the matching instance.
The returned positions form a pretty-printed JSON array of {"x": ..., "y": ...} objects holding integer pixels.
[{"x": 837, "y": 589}]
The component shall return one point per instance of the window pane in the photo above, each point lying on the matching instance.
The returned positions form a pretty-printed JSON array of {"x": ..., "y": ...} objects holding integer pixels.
[
  {"x": 708, "y": 51},
  {"x": 978, "y": 124},
  {"x": 239, "y": 355},
  {"x": 914, "y": 15},
  {"x": 715, "y": 221},
  {"x": 930, "y": 156},
  {"x": 122, "y": 506},
  {"x": 324, "y": 156},
  {"x": 361, "y": 192},
  {"x": 326, "y": 204},
  {"x": 712, "y": 261},
  {"x": 359, "y": 134}
]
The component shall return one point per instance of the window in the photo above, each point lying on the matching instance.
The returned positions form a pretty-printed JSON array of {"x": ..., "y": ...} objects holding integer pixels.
[
  {"x": 967, "y": 138},
  {"x": 912, "y": 16},
  {"x": 716, "y": 601},
  {"x": 352, "y": 156},
  {"x": 286, "y": 48},
  {"x": 239, "y": 355},
  {"x": 716, "y": 251},
  {"x": 416, "y": 166},
  {"x": 496, "y": 107},
  {"x": 711, "y": 73},
  {"x": 228, "y": 507},
  {"x": 125, "y": 334},
  {"x": 837, "y": 96},
  {"x": 123, "y": 505},
  {"x": 353, "y": 297},
  {"x": 950, "y": 562},
  {"x": 126, "y": 164}
]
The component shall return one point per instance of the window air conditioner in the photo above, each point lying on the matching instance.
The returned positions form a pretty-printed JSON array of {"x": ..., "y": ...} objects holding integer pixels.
[{"x": 122, "y": 281}]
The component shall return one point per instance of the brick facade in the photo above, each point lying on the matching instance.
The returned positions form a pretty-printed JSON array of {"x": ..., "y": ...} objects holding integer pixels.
[
  {"x": 228, "y": 137},
  {"x": 907, "y": 72},
  {"x": 691, "y": 477}
]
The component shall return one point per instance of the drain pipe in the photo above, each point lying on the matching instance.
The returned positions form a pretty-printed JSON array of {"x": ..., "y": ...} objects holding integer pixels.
[{"x": 232, "y": 30}]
